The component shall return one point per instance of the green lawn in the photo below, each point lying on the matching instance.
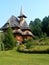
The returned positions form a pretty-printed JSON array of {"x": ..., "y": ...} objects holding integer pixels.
[{"x": 13, "y": 57}]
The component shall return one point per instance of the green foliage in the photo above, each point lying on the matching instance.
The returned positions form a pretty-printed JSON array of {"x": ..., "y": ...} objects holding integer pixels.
[
  {"x": 2, "y": 46},
  {"x": 1, "y": 41},
  {"x": 40, "y": 48},
  {"x": 35, "y": 46},
  {"x": 45, "y": 25},
  {"x": 29, "y": 44},
  {"x": 39, "y": 27},
  {"x": 21, "y": 47},
  {"x": 9, "y": 40},
  {"x": 36, "y": 27}
]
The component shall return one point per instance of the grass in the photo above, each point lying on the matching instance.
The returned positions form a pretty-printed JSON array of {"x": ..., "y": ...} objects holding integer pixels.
[{"x": 12, "y": 57}]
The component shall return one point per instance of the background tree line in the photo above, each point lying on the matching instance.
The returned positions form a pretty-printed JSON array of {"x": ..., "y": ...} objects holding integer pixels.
[{"x": 40, "y": 28}]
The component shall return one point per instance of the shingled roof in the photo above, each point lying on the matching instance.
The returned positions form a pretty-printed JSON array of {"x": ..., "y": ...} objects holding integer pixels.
[
  {"x": 25, "y": 26},
  {"x": 28, "y": 33},
  {"x": 13, "y": 21}
]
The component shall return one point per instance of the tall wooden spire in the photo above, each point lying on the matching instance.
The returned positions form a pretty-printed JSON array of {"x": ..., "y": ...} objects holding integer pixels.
[
  {"x": 21, "y": 11},
  {"x": 21, "y": 14}
]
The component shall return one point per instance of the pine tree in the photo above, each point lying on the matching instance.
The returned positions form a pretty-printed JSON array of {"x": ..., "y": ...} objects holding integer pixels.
[{"x": 9, "y": 40}]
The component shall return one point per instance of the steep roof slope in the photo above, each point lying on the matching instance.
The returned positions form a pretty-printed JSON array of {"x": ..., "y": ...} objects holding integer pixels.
[
  {"x": 24, "y": 26},
  {"x": 13, "y": 21}
]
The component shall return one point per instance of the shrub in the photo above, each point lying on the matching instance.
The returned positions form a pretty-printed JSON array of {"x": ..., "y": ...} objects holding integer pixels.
[
  {"x": 29, "y": 44},
  {"x": 35, "y": 46},
  {"x": 1, "y": 41},
  {"x": 35, "y": 49},
  {"x": 21, "y": 47}
]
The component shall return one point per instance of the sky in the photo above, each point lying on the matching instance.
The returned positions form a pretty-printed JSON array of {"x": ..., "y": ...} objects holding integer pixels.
[{"x": 31, "y": 8}]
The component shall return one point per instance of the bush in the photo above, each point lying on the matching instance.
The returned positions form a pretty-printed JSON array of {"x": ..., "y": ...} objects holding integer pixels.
[
  {"x": 35, "y": 49},
  {"x": 35, "y": 46},
  {"x": 21, "y": 47},
  {"x": 29, "y": 44}
]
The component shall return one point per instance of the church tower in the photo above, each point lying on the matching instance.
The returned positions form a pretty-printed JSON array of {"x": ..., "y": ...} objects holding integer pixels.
[
  {"x": 21, "y": 17},
  {"x": 26, "y": 32}
]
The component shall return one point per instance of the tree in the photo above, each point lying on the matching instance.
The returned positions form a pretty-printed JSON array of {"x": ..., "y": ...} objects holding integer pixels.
[
  {"x": 1, "y": 41},
  {"x": 36, "y": 27},
  {"x": 48, "y": 27},
  {"x": 9, "y": 40},
  {"x": 45, "y": 25}
]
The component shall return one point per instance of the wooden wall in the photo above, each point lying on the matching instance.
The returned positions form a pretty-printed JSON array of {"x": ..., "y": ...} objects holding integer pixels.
[{"x": 19, "y": 38}]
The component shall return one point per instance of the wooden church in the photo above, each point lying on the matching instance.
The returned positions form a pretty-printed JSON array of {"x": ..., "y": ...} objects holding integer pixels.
[{"x": 19, "y": 27}]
